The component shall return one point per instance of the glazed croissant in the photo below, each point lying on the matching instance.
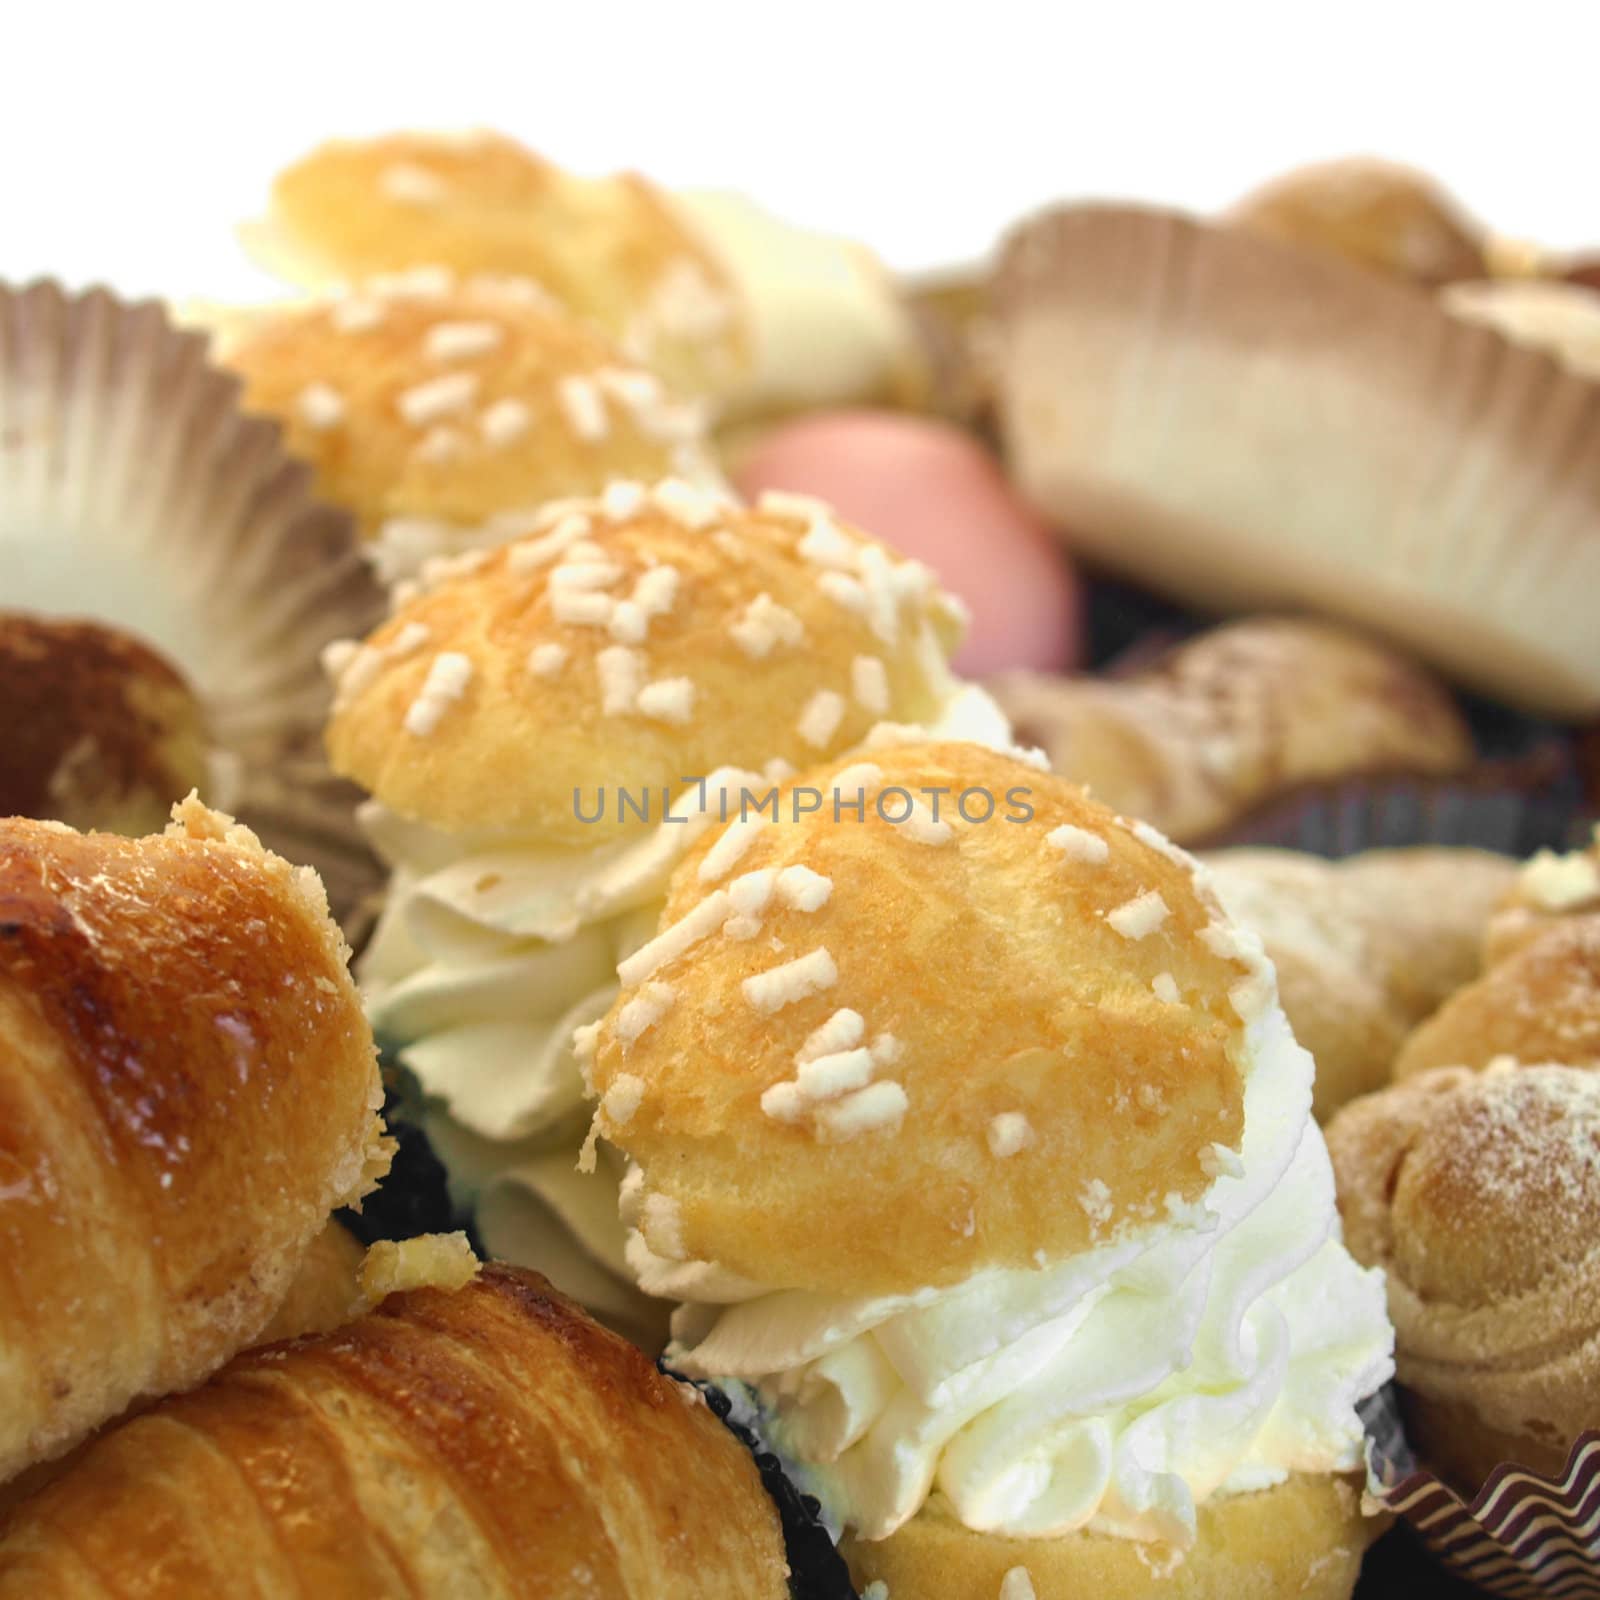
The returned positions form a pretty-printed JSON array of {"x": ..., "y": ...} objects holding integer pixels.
[
  {"x": 187, "y": 1089},
  {"x": 487, "y": 1443}
]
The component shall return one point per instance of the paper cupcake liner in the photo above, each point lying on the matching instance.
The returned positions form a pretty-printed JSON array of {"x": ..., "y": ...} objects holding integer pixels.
[
  {"x": 1513, "y": 808},
  {"x": 134, "y": 491},
  {"x": 1247, "y": 425},
  {"x": 816, "y": 1569},
  {"x": 1522, "y": 1536}
]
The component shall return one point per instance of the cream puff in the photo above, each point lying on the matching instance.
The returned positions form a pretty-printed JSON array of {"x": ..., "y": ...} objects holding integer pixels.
[
  {"x": 187, "y": 1089},
  {"x": 1478, "y": 1194},
  {"x": 474, "y": 1435},
  {"x": 975, "y": 1142},
  {"x": 544, "y": 731},
  {"x": 445, "y": 412},
  {"x": 722, "y": 298},
  {"x": 1552, "y": 886}
]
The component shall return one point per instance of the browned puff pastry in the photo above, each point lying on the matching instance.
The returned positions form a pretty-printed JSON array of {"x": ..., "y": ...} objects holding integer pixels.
[
  {"x": 1237, "y": 717},
  {"x": 1542, "y": 1003},
  {"x": 1550, "y": 888},
  {"x": 187, "y": 1089},
  {"x": 98, "y": 730},
  {"x": 1365, "y": 948},
  {"x": 1479, "y": 1196},
  {"x": 492, "y": 1442}
]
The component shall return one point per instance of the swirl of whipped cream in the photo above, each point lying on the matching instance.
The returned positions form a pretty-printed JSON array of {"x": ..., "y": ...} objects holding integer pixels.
[
  {"x": 493, "y": 948},
  {"x": 1209, "y": 1354}
]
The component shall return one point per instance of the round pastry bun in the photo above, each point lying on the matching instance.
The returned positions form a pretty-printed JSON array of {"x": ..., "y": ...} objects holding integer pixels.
[
  {"x": 99, "y": 731},
  {"x": 1389, "y": 218},
  {"x": 612, "y": 249},
  {"x": 993, "y": 962},
  {"x": 1364, "y": 948},
  {"x": 1304, "y": 1537},
  {"x": 1479, "y": 1196},
  {"x": 431, "y": 406},
  {"x": 1542, "y": 1003},
  {"x": 756, "y": 614}
]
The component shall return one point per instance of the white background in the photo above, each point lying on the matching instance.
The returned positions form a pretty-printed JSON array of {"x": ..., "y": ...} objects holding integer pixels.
[{"x": 133, "y": 136}]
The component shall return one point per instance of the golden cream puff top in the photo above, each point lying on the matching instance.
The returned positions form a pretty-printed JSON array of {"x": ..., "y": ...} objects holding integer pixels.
[
  {"x": 984, "y": 1024},
  {"x": 614, "y": 249},
  {"x": 421, "y": 399},
  {"x": 631, "y": 643}
]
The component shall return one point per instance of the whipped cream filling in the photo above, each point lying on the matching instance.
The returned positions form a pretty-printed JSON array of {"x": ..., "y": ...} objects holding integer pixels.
[
  {"x": 491, "y": 951},
  {"x": 1209, "y": 1354}
]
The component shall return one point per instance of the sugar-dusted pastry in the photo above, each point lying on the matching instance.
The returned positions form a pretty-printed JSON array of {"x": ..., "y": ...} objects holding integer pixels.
[
  {"x": 1236, "y": 717},
  {"x": 445, "y": 412},
  {"x": 720, "y": 297},
  {"x": 1479, "y": 1196},
  {"x": 1540, "y": 1003},
  {"x": 1382, "y": 216},
  {"x": 543, "y": 734},
  {"x": 931, "y": 490},
  {"x": 985, "y": 1168},
  {"x": 1364, "y": 948},
  {"x": 486, "y": 1440},
  {"x": 1550, "y": 887},
  {"x": 99, "y": 731},
  {"x": 187, "y": 1089}
]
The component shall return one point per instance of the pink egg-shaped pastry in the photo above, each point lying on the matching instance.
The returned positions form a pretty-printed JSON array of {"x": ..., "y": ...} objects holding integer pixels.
[{"x": 935, "y": 493}]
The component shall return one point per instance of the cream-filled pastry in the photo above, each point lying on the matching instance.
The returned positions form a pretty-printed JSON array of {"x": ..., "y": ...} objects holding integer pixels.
[
  {"x": 1551, "y": 887},
  {"x": 722, "y": 298},
  {"x": 545, "y": 730},
  {"x": 443, "y": 412},
  {"x": 984, "y": 1165}
]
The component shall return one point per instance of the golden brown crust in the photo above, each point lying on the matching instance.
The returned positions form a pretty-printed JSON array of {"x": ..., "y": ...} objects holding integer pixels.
[
  {"x": 491, "y": 1441},
  {"x": 1302, "y": 1540},
  {"x": 187, "y": 1089},
  {"x": 1388, "y": 218},
  {"x": 351, "y": 381},
  {"x": 1479, "y": 1196},
  {"x": 1237, "y": 716},
  {"x": 612, "y": 249},
  {"x": 473, "y": 769},
  {"x": 990, "y": 960},
  {"x": 1542, "y": 1003},
  {"x": 1550, "y": 888},
  {"x": 98, "y": 730},
  {"x": 1364, "y": 948},
  {"x": 325, "y": 1291}
]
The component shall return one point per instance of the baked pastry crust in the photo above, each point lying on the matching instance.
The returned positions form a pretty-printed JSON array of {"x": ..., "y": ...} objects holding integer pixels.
[
  {"x": 613, "y": 249},
  {"x": 1541, "y": 1003},
  {"x": 745, "y": 600},
  {"x": 992, "y": 945},
  {"x": 1479, "y": 1196},
  {"x": 1364, "y": 948},
  {"x": 491, "y": 1442},
  {"x": 1379, "y": 215},
  {"x": 363, "y": 388},
  {"x": 1303, "y": 1538},
  {"x": 99, "y": 731},
  {"x": 187, "y": 1089},
  {"x": 1245, "y": 712}
]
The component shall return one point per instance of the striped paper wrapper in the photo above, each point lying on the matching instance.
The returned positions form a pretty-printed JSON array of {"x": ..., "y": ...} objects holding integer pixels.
[{"x": 1522, "y": 1536}]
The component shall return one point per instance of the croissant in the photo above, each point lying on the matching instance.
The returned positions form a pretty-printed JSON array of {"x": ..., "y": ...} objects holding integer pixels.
[
  {"x": 187, "y": 1089},
  {"x": 489, "y": 1442},
  {"x": 1240, "y": 716}
]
